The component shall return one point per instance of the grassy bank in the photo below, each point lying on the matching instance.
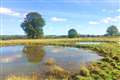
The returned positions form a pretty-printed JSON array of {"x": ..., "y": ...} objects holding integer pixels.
[
  {"x": 106, "y": 69},
  {"x": 51, "y": 41}
]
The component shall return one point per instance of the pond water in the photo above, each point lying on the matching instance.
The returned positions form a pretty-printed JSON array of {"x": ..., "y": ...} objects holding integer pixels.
[{"x": 28, "y": 59}]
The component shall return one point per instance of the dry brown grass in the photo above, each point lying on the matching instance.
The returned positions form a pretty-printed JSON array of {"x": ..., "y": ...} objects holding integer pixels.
[
  {"x": 13, "y": 77},
  {"x": 50, "y": 41},
  {"x": 50, "y": 61}
]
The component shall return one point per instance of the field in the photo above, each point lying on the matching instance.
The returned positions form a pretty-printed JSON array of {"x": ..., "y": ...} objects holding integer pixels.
[
  {"x": 57, "y": 41},
  {"x": 106, "y": 69}
]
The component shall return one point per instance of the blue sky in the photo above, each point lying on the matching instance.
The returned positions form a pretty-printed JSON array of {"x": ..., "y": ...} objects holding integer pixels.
[{"x": 86, "y": 16}]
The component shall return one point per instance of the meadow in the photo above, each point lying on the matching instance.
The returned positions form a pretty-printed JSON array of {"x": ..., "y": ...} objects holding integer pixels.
[
  {"x": 57, "y": 41},
  {"x": 107, "y": 68}
]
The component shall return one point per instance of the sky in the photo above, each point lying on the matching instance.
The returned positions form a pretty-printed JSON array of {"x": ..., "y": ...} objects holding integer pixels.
[{"x": 86, "y": 16}]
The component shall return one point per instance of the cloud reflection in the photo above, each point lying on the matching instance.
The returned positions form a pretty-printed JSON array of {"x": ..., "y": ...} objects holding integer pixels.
[{"x": 8, "y": 59}]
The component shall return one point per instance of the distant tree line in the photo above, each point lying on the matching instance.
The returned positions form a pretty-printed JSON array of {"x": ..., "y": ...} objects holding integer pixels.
[
  {"x": 6, "y": 37},
  {"x": 111, "y": 31},
  {"x": 9, "y": 37}
]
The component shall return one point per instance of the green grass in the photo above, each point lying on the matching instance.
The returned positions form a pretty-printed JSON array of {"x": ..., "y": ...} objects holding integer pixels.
[{"x": 106, "y": 69}]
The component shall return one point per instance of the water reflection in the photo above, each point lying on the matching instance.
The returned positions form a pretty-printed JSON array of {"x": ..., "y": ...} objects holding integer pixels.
[
  {"x": 8, "y": 59},
  {"x": 89, "y": 42},
  {"x": 34, "y": 54},
  {"x": 17, "y": 59}
]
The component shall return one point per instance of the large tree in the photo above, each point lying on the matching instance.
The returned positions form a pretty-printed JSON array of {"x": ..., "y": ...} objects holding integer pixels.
[
  {"x": 112, "y": 30},
  {"x": 72, "y": 33},
  {"x": 33, "y": 25}
]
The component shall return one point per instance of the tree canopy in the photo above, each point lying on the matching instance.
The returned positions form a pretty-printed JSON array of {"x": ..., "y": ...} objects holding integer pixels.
[
  {"x": 72, "y": 33},
  {"x": 112, "y": 30},
  {"x": 33, "y": 25}
]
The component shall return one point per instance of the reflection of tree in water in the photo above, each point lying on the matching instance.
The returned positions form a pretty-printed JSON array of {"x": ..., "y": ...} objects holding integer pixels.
[{"x": 34, "y": 54}]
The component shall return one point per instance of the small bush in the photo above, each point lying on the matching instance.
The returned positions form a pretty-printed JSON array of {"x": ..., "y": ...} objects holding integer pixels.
[{"x": 84, "y": 71}]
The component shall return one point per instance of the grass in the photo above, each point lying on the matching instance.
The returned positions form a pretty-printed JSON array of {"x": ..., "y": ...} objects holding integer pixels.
[
  {"x": 50, "y": 61},
  {"x": 53, "y": 41},
  {"x": 13, "y": 77},
  {"x": 106, "y": 69},
  {"x": 16, "y": 77}
]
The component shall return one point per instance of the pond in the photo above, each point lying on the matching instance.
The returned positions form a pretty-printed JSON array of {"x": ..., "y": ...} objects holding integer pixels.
[{"x": 27, "y": 59}]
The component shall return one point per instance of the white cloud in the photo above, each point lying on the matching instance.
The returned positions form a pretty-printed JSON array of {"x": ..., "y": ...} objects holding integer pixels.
[
  {"x": 7, "y": 11},
  {"x": 106, "y": 20},
  {"x": 57, "y": 19},
  {"x": 93, "y": 22}
]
